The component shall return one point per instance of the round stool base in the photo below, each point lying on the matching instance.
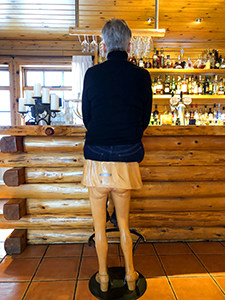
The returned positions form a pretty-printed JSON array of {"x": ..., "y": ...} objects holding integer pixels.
[{"x": 118, "y": 289}]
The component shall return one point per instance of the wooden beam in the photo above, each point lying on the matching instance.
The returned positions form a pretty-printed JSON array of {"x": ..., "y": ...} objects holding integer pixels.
[
  {"x": 16, "y": 242},
  {"x": 14, "y": 209}
]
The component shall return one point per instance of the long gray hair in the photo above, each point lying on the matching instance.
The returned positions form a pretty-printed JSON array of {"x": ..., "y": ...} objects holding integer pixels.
[{"x": 116, "y": 35}]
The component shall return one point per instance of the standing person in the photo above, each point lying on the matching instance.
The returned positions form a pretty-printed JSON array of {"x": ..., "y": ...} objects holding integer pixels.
[{"x": 116, "y": 108}]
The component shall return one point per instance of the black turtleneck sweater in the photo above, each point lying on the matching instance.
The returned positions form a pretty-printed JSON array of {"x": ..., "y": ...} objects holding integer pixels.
[{"x": 116, "y": 101}]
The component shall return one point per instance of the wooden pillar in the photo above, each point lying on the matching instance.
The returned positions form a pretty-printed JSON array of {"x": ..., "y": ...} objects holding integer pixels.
[
  {"x": 14, "y": 209},
  {"x": 16, "y": 242}
]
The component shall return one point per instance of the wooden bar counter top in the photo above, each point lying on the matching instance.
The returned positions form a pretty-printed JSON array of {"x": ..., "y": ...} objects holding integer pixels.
[{"x": 183, "y": 172}]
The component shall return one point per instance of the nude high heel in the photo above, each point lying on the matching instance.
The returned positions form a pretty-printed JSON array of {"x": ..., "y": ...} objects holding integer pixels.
[
  {"x": 131, "y": 281},
  {"x": 103, "y": 280}
]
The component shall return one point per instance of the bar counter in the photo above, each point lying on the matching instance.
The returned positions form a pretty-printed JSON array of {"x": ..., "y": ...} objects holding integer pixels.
[{"x": 183, "y": 197}]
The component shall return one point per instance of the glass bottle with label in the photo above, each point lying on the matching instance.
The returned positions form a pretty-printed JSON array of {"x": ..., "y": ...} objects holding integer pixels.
[
  {"x": 196, "y": 115},
  {"x": 177, "y": 64},
  {"x": 168, "y": 63},
  {"x": 161, "y": 59},
  {"x": 156, "y": 115},
  {"x": 210, "y": 86},
  {"x": 179, "y": 85},
  {"x": 200, "y": 86},
  {"x": 154, "y": 59},
  {"x": 141, "y": 63},
  {"x": 181, "y": 110},
  {"x": 167, "y": 85},
  {"x": 184, "y": 85},
  {"x": 148, "y": 63},
  {"x": 221, "y": 87},
  {"x": 159, "y": 88},
  {"x": 173, "y": 86}
]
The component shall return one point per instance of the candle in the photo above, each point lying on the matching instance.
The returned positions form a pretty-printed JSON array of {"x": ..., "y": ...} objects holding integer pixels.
[
  {"x": 37, "y": 90},
  {"x": 54, "y": 102},
  {"x": 45, "y": 96},
  {"x": 22, "y": 107},
  {"x": 28, "y": 96}
]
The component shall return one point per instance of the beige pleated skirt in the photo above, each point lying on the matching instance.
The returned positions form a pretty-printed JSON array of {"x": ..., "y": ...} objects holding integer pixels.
[{"x": 109, "y": 174}]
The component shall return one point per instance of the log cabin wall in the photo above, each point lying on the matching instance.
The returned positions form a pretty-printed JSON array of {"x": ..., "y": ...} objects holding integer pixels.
[{"x": 183, "y": 197}]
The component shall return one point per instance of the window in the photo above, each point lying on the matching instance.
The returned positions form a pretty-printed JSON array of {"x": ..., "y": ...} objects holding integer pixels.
[{"x": 5, "y": 114}]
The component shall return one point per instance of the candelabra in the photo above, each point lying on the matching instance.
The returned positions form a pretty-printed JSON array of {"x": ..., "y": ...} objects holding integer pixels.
[{"x": 39, "y": 111}]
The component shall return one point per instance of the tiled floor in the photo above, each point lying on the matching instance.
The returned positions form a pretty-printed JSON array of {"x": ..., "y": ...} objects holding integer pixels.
[{"x": 175, "y": 270}]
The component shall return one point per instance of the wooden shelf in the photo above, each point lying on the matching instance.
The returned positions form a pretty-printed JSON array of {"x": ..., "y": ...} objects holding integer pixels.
[
  {"x": 188, "y": 71},
  {"x": 191, "y": 96}
]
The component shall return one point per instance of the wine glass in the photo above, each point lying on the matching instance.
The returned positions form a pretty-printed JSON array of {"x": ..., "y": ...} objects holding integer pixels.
[
  {"x": 93, "y": 45},
  {"x": 85, "y": 45}
]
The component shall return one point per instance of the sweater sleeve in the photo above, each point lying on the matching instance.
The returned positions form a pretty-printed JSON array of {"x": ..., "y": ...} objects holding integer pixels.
[
  {"x": 147, "y": 100},
  {"x": 86, "y": 109}
]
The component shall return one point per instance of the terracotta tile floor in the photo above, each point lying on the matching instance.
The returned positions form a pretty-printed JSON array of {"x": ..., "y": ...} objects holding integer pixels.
[{"x": 175, "y": 270}]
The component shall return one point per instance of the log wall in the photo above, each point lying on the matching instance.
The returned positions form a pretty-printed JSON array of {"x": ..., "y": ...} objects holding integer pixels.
[{"x": 182, "y": 199}]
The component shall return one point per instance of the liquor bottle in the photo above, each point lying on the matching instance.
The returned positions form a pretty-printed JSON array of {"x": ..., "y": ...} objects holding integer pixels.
[
  {"x": 210, "y": 117},
  {"x": 222, "y": 63},
  {"x": 206, "y": 86},
  {"x": 151, "y": 122},
  {"x": 154, "y": 59},
  {"x": 210, "y": 86},
  {"x": 156, "y": 115},
  {"x": 205, "y": 116},
  {"x": 195, "y": 86},
  {"x": 189, "y": 88},
  {"x": 179, "y": 85},
  {"x": 177, "y": 64},
  {"x": 173, "y": 86},
  {"x": 221, "y": 87},
  {"x": 200, "y": 86},
  {"x": 215, "y": 85},
  {"x": 214, "y": 122},
  {"x": 184, "y": 85},
  {"x": 154, "y": 85},
  {"x": 196, "y": 115},
  {"x": 187, "y": 117},
  {"x": 158, "y": 60},
  {"x": 141, "y": 63},
  {"x": 159, "y": 87},
  {"x": 161, "y": 59},
  {"x": 167, "y": 85},
  {"x": 148, "y": 63},
  {"x": 181, "y": 110},
  {"x": 192, "y": 84},
  {"x": 168, "y": 62},
  {"x": 223, "y": 116},
  {"x": 218, "y": 115},
  {"x": 191, "y": 119},
  {"x": 188, "y": 64},
  {"x": 133, "y": 60},
  {"x": 163, "y": 117},
  {"x": 217, "y": 61}
]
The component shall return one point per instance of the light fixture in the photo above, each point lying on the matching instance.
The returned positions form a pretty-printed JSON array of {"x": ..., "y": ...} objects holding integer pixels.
[{"x": 198, "y": 20}]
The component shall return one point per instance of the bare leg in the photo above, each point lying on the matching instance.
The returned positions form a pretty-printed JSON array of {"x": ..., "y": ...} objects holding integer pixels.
[
  {"x": 98, "y": 198},
  {"x": 121, "y": 199}
]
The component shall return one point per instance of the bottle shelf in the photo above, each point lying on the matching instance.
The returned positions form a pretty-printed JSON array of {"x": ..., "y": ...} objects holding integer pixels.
[
  {"x": 188, "y": 71},
  {"x": 191, "y": 96}
]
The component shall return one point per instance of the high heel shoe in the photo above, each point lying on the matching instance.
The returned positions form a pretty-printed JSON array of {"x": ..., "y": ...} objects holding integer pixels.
[
  {"x": 103, "y": 280},
  {"x": 131, "y": 281}
]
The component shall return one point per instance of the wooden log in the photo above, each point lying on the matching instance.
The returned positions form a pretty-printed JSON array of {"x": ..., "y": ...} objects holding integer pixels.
[
  {"x": 16, "y": 242},
  {"x": 151, "y": 173},
  {"x": 149, "y": 219},
  {"x": 177, "y": 204},
  {"x": 149, "y": 190},
  {"x": 11, "y": 144},
  {"x": 68, "y": 130},
  {"x": 184, "y": 143},
  {"x": 54, "y": 175},
  {"x": 152, "y": 158},
  {"x": 57, "y": 206},
  {"x": 14, "y": 177},
  {"x": 64, "y": 143},
  {"x": 183, "y": 173},
  {"x": 151, "y": 234},
  {"x": 39, "y": 130},
  {"x": 46, "y": 221},
  {"x": 49, "y": 159},
  {"x": 2, "y": 202},
  {"x": 14, "y": 209},
  {"x": 82, "y": 206}
]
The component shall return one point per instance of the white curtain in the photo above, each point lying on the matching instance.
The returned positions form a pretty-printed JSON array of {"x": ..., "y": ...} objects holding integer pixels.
[{"x": 80, "y": 64}]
